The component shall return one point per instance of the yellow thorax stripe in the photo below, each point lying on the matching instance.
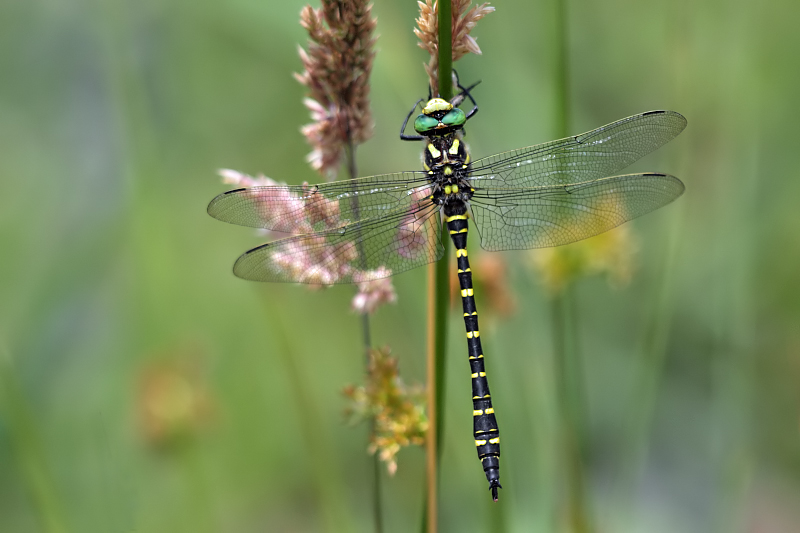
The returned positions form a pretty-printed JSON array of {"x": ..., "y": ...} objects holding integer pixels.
[{"x": 436, "y": 104}]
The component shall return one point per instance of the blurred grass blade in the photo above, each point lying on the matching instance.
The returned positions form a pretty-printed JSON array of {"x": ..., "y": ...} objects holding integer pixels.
[{"x": 28, "y": 450}]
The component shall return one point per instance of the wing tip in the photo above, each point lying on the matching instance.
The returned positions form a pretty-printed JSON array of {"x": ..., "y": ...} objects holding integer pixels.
[
  {"x": 667, "y": 112},
  {"x": 219, "y": 198}
]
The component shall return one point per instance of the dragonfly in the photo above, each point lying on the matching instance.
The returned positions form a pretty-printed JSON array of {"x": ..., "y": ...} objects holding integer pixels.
[{"x": 368, "y": 228}]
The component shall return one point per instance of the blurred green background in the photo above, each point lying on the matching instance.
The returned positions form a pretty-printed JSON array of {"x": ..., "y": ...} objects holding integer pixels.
[{"x": 144, "y": 388}]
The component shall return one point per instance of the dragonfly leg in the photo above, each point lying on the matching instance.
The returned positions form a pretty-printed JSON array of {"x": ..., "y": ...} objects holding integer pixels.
[{"x": 403, "y": 136}]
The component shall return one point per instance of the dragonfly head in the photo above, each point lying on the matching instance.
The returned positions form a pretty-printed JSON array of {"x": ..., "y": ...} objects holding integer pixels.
[{"x": 438, "y": 118}]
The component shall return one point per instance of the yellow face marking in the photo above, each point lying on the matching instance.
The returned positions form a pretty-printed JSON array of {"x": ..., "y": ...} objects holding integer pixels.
[
  {"x": 448, "y": 171},
  {"x": 461, "y": 253},
  {"x": 434, "y": 152},
  {"x": 490, "y": 411},
  {"x": 455, "y": 189},
  {"x": 436, "y": 104},
  {"x": 495, "y": 440},
  {"x": 454, "y": 147},
  {"x": 448, "y": 189},
  {"x": 480, "y": 442},
  {"x": 477, "y": 412}
]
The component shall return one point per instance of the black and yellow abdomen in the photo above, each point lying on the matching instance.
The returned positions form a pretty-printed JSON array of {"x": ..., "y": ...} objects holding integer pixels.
[{"x": 485, "y": 431}]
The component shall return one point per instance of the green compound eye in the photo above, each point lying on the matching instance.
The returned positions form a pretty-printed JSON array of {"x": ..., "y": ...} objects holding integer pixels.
[
  {"x": 425, "y": 123},
  {"x": 455, "y": 117}
]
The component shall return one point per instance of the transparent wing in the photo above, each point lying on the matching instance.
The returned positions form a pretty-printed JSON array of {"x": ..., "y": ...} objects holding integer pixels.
[
  {"x": 538, "y": 217},
  {"x": 593, "y": 155},
  {"x": 302, "y": 209},
  {"x": 369, "y": 249}
]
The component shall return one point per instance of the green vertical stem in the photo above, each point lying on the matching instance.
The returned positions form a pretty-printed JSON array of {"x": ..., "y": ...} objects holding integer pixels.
[
  {"x": 323, "y": 465},
  {"x": 377, "y": 509},
  {"x": 445, "y": 50},
  {"x": 439, "y": 298},
  {"x": 567, "y": 364},
  {"x": 568, "y": 384},
  {"x": 561, "y": 74},
  {"x": 28, "y": 450},
  {"x": 652, "y": 356},
  {"x": 443, "y": 267}
]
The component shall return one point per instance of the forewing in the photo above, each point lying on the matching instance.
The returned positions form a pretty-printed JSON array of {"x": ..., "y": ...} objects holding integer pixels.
[
  {"x": 300, "y": 209},
  {"x": 515, "y": 219},
  {"x": 369, "y": 249},
  {"x": 592, "y": 155}
]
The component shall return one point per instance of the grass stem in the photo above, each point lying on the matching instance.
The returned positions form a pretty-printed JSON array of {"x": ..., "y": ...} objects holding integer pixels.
[
  {"x": 28, "y": 450},
  {"x": 326, "y": 475},
  {"x": 438, "y": 302},
  {"x": 377, "y": 509},
  {"x": 567, "y": 365},
  {"x": 568, "y": 385}
]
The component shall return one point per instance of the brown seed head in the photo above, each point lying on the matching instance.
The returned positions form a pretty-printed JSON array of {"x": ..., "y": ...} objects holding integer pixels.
[{"x": 337, "y": 66}]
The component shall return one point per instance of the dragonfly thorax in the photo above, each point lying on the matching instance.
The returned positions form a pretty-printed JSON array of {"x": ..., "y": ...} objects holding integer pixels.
[
  {"x": 447, "y": 163},
  {"x": 443, "y": 152}
]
